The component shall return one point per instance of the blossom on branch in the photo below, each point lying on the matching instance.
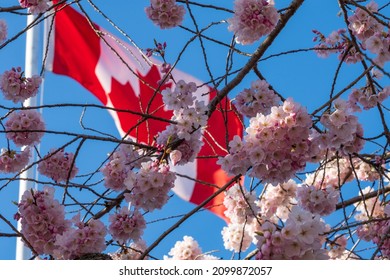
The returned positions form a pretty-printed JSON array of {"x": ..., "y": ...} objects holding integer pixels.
[
  {"x": 17, "y": 88},
  {"x": 165, "y": 13},
  {"x": 25, "y": 127},
  {"x": 252, "y": 19},
  {"x": 58, "y": 165}
]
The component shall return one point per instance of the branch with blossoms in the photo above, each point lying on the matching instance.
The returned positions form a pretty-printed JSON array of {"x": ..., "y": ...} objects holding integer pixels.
[{"x": 316, "y": 184}]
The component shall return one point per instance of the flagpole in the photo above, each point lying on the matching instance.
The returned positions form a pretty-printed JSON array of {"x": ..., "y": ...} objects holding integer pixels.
[{"x": 31, "y": 68}]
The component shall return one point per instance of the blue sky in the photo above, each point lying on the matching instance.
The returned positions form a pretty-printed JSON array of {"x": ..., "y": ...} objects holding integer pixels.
[{"x": 303, "y": 76}]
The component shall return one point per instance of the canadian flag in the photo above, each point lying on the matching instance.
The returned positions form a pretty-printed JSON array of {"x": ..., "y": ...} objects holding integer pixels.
[{"x": 120, "y": 76}]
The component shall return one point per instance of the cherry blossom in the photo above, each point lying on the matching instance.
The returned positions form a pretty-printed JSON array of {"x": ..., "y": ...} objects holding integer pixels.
[
  {"x": 149, "y": 187},
  {"x": 120, "y": 163},
  {"x": 165, "y": 13},
  {"x": 84, "y": 238},
  {"x": 257, "y": 99},
  {"x": 240, "y": 204},
  {"x": 58, "y": 165},
  {"x": 276, "y": 145},
  {"x": 188, "y": 249},
  {"x": 344, "y": 132},
  {"x": 26, "y": 127},
  {"x": 277, "y": 200},
  {"x": 16, "y": 87},
  {"x": 11, "y": 161},
  {"x": 132, "y": 252},
  {"x": 252, "y": 20},
  {"x": 42, "y": 218},
  {"x": 126, "y": 225},
  {"x": 318, "y": 201},
  {"x": 237, "y": 237},
  {"x": 299, "y": 238},
  {"x": 35, "y": 6}
]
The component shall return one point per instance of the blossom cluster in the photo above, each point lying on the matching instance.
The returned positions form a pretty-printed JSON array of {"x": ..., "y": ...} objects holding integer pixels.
[
  {"x": 120, "y": 163},
  {"x": 299, "y": 238},
  {"x": 375, "y": 231},
  {"x": 84, "y": 238},
  {"x": 42, "y": 219},
  {"x": 241, "y": 209},
  {"x": 16, "y": 87},
  {"x": 337, "y": 248},
  {"x": 3, "y": 30},
  {"x": 318, "y": 201},
  {"x": 367, "y": 28},
  {"x": 132, "y": 252},
  {"x": 149, "y": 187},
  {"x": 35, "y": 6},
  {"x": 58, "y": 165},
  {"x": 276, "y": 201},
  {"x": 344, "y": 132},
  {"x": 188, "y": 249},
  {"x": 259, "y": 98},
  {"x": 371, "y": 32},
  {"x": 366, "y": 98},
  {"x": 126, "y": 225},
  {"x": 276, "y": 145},
  {"x": 336, "y": 42},
  {"x": 237, "y": 237},
  {"x": 252, "y": 19},
  {"x": 240, "y": 204},
  {"x": 25, "y": 127},
  {"x": 12, "y": 161},
  {"x": 190, "y": 116},
  {"x": 332, "y": 173},
  {"x": 165, "y": 13}
]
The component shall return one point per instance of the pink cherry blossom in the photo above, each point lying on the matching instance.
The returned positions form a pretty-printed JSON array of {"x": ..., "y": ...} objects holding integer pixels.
[
  {"x": 165, "y": 13},
  {"x": 12, "y": 161},
  {"x": 42, "y": 219},
  {"x": 35, "y": 6},
  {"x": 80, "y": 240},
  {"x": 188, "y": 249},
  {"x": 126, "y": 225},
  {"x": 257, "y": 99},
  {"x": 236, "y": 237},
  {"x": 132, "y": 252},
  {"x": 60, "y": 166},
  {"x": 26, "y": 127},
  {"x": 276, "y": 145},
  {"x": 240, "y": 204},
  {"x": 16, "y": 87},
  {"x": 120, "y": 163},
  {"x": 149, "y": 187},
  {"x": 252, "y": 20},
  {"x": 318, "y": 201}
]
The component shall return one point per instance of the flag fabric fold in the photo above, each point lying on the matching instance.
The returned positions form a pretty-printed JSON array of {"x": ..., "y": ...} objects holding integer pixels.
[{"x": 120, "y": 76}]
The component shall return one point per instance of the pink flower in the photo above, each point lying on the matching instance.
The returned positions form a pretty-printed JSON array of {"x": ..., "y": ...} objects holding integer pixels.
[
  {"x": 81, "y": 240},
  {"x": 17, "y": 88},
  {"x": 258, "y": 99},
  {"x": 120, "y": 164},
  {"x": 42, "y": 219},
  {"x": 149, "y": 187},
  {"x": 252, "y": 20},
  {"x": 35, "y": 6},
  {"x": 60, "y": 166},
  {"x": 165, "y": 13},
  {"x": 27, "y": 127},
  {"x": 12, "y": 161},
  {"x": 126, "y": 225}
]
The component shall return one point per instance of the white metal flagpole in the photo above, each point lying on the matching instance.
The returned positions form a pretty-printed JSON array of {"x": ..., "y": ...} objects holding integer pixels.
[{"x": 31, "y": 68}]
